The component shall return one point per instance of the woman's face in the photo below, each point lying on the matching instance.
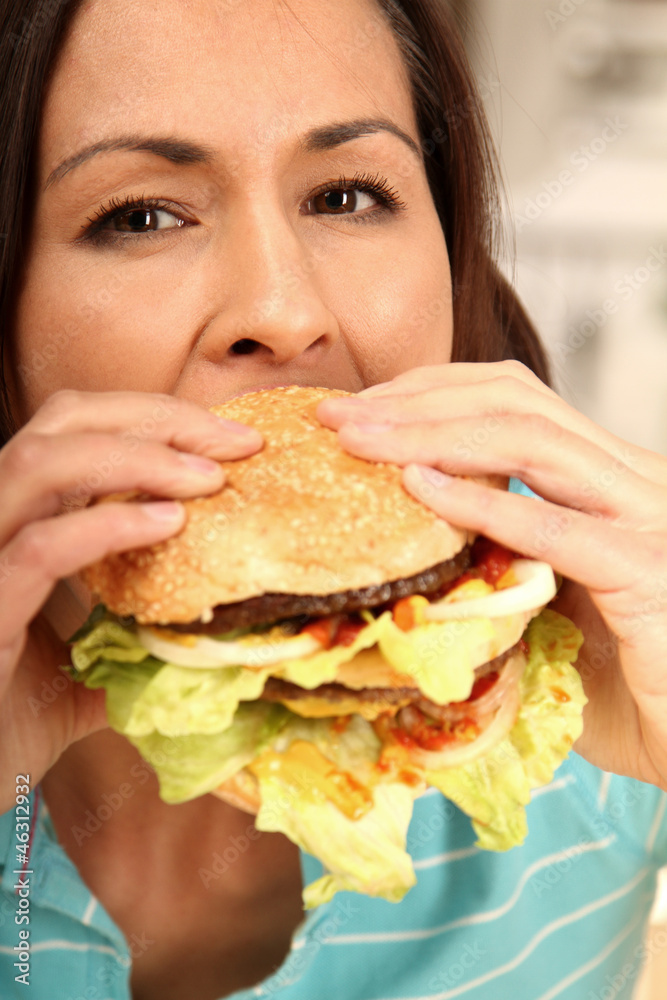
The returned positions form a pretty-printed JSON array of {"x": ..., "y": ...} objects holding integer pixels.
[{"x": 230, "y": 195}]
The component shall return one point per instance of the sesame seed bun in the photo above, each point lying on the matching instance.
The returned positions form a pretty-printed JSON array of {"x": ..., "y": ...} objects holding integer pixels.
[
  {"x": 240, "y": 791},
  {"x": 302, "y": 516}
]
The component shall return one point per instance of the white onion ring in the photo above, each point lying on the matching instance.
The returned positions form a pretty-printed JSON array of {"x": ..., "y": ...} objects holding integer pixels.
[
  {"x": 508, "y": 674},
  {"x": 252, "y": 651},
  {"x": 462, "y": 753},
  {"x": 535, "y": 587}
]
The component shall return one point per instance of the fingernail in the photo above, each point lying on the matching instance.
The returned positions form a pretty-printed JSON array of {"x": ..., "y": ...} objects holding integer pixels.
[
  {"x": 232, "y": 427},
  {"x": 370, "y": 428},
  {"x": 163, "y": 511},
  {"x": 433, "y": 476},
  {"x": 199, "y": 464}
]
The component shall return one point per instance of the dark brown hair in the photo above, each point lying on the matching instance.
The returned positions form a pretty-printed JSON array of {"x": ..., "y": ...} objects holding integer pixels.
[{"x": 489, "y": 322}]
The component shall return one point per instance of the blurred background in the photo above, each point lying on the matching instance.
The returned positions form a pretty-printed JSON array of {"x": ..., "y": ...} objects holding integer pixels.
[{"x": 576, "y": 95}]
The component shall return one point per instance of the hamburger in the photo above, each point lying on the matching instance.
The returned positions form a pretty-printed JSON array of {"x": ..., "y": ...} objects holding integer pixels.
[{"x": 317, "y": 647}]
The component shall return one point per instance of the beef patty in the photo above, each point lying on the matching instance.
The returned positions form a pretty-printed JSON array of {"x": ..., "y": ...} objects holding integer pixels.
[
  {"x": 277, "y": 689},
  {"x": 269, "y": 608}
]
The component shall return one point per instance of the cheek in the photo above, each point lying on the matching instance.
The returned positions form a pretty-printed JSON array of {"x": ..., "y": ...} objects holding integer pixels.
[
  {"x": 93, "y": 329},
  {"x": 400, "y": 311}
]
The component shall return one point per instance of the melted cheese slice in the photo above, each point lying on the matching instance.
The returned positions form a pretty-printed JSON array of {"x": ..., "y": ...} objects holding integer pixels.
[
  {"x": 304, "y": 768},
  {"x": 369, "y": 669},
  {"x": 313, "y": 707}
]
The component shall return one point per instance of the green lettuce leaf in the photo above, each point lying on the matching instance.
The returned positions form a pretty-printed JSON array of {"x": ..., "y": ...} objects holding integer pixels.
[
  {"x": 439, "y": 656},
  {"x": 493, "y": 791},
  {"x": 366, "y": 854},
  {"x": 552, "y": 697},
  {"x": 189, "y": 766},
  {"x": 107, "y": 639},
  {"x": 175, "y": 701},
  {"x": 354, "y": 748},
  {"x": 321, "y": 668}
]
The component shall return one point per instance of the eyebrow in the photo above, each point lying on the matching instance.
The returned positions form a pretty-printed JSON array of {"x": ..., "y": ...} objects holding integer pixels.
[
  {"x": 327, "y": 137},
  {"x": 181, "y": 151},
  {"x": 175, "y": 150}
]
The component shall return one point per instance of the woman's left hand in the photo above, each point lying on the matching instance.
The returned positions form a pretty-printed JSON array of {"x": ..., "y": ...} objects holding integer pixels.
[{"x": 602, "y": 523}]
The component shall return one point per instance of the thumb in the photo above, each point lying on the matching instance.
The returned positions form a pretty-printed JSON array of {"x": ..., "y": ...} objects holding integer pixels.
[{"x": 85, "y": 710}]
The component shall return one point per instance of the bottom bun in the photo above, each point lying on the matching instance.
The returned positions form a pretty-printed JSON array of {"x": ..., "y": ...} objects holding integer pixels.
[{"x": 240, "y": 791}]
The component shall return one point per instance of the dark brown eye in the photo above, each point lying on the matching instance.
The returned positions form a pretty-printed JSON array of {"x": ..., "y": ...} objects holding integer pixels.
[
  {"x": 341, "y": 202},
  {"x": 143, "y": 220}
]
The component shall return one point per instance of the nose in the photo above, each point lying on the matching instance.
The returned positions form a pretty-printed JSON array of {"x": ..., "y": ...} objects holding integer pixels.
[{"x": 269, "y": 290}]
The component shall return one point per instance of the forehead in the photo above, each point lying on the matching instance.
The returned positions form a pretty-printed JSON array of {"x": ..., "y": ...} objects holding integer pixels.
[{"x": 247, "y": 72}]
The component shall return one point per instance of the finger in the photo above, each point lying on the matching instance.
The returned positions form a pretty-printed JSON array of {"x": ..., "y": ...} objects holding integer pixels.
[
  {"x": 495, "y": 396},
  {"x": 555, "y": 463},
  {"x": 591, "y": 551},
  {"x": 45, "y": 551},
  {"x": 141, "y": 416},
  {"x": 37, "y": 470},
  {"x": 486, "y": 399},
  {"x": 455, "y": 373}
]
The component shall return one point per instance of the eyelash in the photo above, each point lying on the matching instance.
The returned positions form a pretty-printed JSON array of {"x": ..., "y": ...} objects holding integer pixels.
[
  {"x": 373, "y": 184},
  {"x": 120, "y": 206}
]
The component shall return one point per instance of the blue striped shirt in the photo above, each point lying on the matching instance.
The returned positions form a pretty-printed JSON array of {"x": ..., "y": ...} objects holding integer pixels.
[{"x": 562, "y": 916}]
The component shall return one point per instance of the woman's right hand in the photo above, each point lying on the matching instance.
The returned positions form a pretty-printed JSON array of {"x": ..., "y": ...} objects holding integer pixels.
[{"x": 79, "y": 445}]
